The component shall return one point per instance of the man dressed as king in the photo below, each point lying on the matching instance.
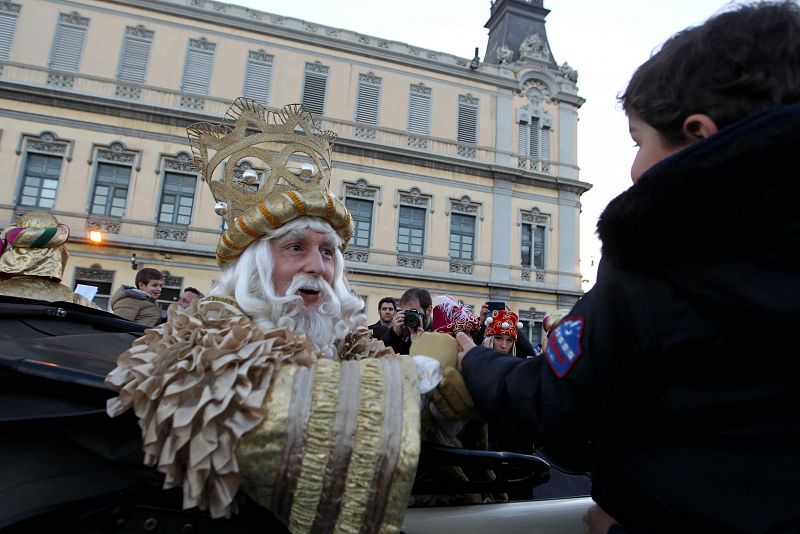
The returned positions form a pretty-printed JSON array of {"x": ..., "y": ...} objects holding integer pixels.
[{"x": 272, "y": 385}]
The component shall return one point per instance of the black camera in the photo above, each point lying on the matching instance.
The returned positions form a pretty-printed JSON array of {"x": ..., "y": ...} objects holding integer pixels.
[{"x": 412, "y": 318}]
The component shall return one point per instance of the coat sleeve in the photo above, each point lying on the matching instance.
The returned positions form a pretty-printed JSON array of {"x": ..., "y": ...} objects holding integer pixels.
[{"x": 562, "y": 394}]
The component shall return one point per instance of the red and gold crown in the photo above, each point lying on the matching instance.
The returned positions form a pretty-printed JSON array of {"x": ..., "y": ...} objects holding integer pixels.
[{"x": 502, "y": 322}]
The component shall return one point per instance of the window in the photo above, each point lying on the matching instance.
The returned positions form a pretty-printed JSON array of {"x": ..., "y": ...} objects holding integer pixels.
[
  {"x": 532, "y": 245},
  {"x": 467, "y": 125},
  {"x": 69, "y": 41},
  {"x": 419, "y": 110},
  {"x": 533, "y": 141},
  {"x": 411, "y": 232},
  {"x": 258, "y": 76},
  {"x": 197, "y": 70},
  {"x": 135, "y": 54},
  {"x": 9, "y": 13},
  {"x": 110, "y": 190},
  {"x": 462, "y": 236},
  {"x": 40, "y": 182},
  {"x": 177, "y": 199},
  {"x": 361, "y": 211},
  {"x": 368, "y": 101},
  {"x": 314, "y": 86},
  {"x": 101, "y": 279},
  {"x": 533, "y": 331},
  {"x": 170, "y": 291}
]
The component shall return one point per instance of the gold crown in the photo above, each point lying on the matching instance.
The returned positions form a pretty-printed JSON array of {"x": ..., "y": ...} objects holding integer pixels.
[{"x": 288, "y": 187}]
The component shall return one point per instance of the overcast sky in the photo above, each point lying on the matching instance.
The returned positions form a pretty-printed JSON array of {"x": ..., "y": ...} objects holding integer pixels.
[{"x": 603, "y": 40}]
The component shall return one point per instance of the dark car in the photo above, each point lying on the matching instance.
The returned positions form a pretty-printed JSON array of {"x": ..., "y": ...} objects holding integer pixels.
[{"x": 68, "y": 467}]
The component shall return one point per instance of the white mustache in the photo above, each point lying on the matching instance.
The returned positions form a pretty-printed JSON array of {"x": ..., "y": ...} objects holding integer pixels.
[{"x": 308, "y": 282}]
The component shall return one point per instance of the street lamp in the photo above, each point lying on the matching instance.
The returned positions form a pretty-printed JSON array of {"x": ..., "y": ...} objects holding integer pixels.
[{"x": 96, "y": 236}]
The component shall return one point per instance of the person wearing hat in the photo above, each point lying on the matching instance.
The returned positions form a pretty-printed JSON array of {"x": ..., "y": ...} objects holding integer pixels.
[
  {"x": 269, "y": 385},
  {"x": 33, "y": 258},
  {"x": 522, "y": 346},
  {"x": 501, "y": 331}
]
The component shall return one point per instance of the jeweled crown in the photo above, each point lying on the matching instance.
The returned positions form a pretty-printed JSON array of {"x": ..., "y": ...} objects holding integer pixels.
[
  {"x": 280, "y": 140},
  {"x": 290, "y": 178}
]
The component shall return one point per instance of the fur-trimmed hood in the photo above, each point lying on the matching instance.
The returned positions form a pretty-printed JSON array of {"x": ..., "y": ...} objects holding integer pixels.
[{"x": 736, "y": 186}]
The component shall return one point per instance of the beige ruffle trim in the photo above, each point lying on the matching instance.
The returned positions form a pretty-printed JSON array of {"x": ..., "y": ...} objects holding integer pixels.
[
  {"x": 360, "y": 344},
  {"x": 197, "y": 384}
]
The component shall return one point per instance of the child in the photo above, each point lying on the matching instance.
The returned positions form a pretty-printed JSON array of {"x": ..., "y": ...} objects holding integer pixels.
[
  {"x": 138, "y": 304},
  {"x": 693, "y": 429}
]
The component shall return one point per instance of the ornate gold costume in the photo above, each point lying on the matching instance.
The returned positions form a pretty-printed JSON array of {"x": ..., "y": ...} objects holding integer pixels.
[
  {"x": 33, "y": 258},
  {"x": 222, "y": 403}
]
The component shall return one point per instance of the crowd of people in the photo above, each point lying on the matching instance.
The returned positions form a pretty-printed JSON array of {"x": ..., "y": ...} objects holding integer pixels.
[{"x": 688, "y": 425}]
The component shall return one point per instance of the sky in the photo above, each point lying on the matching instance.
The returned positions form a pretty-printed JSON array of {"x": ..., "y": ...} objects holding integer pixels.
[{"x": 603, "y": 40}]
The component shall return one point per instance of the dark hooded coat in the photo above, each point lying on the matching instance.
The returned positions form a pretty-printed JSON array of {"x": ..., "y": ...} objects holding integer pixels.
[{"x": 679, "y": 365}]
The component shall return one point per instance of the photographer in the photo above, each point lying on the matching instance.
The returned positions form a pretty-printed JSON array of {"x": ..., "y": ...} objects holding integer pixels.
[{"x": 410, "y": 321}]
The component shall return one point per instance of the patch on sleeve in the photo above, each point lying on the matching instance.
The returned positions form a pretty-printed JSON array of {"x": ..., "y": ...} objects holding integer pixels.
[{"x": 564, "y": 345}]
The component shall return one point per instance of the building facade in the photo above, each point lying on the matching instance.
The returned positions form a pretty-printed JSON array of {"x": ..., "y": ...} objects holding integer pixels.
[{"x": 460, "y": 174}]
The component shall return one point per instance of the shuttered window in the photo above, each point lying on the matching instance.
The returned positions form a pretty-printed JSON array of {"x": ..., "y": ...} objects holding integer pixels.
[
  {"x": 467, "y": 120},
  {"x": 135, "y": 54},
  {"x": 68, "y": 43},
  {"x": 258, "y": 76},
  {"x": 197, "y": 70},
  {"x": 523, "y": 144},
  {"x": 419, "y": 110},
  {"x": 544, "y": 154},
  {"x": 368, "y": 99},
  {"x": 314, "y": 87},
  {"x": 8, "y": 25},
  {"x": 533, "y": 145}
]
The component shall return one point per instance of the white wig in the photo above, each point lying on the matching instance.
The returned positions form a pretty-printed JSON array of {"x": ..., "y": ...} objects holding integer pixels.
[{"x": 249, "y": 282}]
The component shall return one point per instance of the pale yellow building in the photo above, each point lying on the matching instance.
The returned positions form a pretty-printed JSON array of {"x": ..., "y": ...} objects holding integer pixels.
[{"x": 460, "y": 173}]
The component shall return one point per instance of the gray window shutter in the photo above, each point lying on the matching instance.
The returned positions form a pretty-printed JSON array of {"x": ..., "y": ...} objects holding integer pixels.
[
  {"x": 68, "y": 43},
  {"x": 523, "y": 141},
  {"x": 545, "y": 150},
  {"x": 258, "y": 77},
  {"x": 534, "y": 139},
  {"x": 8, "y": 25},
  {"x": 467, "y": 119},
  {"x": 419, "y": 110},
  {"x": 314, "y": 86},
  {"x": 135, "y": 54},
  {"x": 368, "y": 99},
  {"x": 197, "y": 70}
]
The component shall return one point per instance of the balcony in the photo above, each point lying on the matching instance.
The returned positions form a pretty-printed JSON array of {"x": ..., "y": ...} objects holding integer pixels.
[{"x": 215, "y": 108}]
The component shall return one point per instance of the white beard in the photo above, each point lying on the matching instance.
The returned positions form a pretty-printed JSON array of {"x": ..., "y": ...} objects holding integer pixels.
[{"x": 318, "y": 321}]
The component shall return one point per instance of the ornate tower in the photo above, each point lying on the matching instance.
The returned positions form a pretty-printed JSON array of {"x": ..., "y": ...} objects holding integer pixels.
[{"x": 517, "y": 34}]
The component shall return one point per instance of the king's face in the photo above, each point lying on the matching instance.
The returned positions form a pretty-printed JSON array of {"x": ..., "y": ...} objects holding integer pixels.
[{"x": 305, "y": 252}]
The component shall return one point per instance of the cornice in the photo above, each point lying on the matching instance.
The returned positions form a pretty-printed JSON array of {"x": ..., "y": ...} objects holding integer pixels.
[{"x": 327, "y": 37}]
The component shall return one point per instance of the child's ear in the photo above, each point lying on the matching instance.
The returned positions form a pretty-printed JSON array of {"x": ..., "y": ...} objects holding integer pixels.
[{"x": 699, "y": 126}]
